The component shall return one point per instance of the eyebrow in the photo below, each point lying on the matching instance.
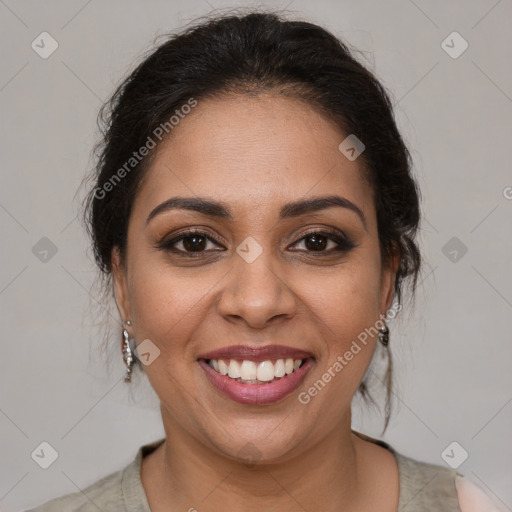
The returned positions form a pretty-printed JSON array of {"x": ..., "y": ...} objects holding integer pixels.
[{"x": 221, "y": 210}]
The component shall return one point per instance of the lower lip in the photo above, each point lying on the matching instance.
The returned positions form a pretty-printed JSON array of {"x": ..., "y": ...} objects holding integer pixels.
[{"x": 257, "y": 393}]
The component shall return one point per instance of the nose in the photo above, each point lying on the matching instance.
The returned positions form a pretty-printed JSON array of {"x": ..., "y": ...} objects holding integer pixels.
[{"x": 257, "y": 293}]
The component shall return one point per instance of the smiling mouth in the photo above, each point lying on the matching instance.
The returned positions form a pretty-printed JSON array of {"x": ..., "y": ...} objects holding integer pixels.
[{"x": 256, "y": 372}]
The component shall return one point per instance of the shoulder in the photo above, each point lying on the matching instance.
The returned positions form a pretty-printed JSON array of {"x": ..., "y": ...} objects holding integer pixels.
[
  {"x": 118, "y": 491},
  {"x": 424, "y": 485},
  {"x": 105, "y": 494}
]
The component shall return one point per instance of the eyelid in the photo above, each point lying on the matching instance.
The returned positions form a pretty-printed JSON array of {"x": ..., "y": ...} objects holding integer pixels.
[
  {"x": 336, "y": 235},
  {"x": 166, "y": 243},
  {"x": 324, "y": 230},
  {"x": 342, "y": 241}
]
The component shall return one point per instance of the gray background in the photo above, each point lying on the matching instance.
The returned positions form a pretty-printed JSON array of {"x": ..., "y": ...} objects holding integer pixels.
[{"x": 452, "y": 353}]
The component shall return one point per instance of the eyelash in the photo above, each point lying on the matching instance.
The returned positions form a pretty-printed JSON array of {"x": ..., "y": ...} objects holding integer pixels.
[{"x": 344, "y": 244}]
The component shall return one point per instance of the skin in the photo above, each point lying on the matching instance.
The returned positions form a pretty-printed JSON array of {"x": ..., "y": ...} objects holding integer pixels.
[{"x": 256, "y": 154}]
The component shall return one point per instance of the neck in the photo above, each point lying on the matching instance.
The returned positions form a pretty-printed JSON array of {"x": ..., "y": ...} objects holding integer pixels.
[{"x": 191, "y": 476}]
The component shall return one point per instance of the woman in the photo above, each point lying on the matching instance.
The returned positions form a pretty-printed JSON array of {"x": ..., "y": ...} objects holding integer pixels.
[{"x": 255, "y": 212}]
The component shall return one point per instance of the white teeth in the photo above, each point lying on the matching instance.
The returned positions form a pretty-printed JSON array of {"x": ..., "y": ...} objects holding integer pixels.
[
  {"x": 223, "y": 367},
  {"x": 248, "y": 370},
  {"x": 265, "y": 371},
  {"x": 234, "y": 369},
  {"x": 251, "y": 372},
  {"x": 279, "y": 370}
]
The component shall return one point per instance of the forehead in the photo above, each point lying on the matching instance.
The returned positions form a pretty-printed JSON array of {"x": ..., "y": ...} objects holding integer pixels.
[{"x": 253, "y": 152}]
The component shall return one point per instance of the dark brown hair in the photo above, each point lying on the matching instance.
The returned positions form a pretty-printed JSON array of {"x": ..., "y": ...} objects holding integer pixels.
[{"x": 249, "y": 54}]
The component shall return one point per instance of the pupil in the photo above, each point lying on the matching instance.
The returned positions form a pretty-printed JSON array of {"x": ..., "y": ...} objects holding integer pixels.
[
  {"x": 319, "y": 242},
  {"x": 194, "y": 243}
]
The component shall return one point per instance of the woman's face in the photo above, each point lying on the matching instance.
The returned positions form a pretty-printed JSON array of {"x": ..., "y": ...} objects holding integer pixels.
[{"x": 255, "y": 277}]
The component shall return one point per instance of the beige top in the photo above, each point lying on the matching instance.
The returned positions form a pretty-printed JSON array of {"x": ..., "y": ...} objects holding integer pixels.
[{"x": 423, "y": 488}]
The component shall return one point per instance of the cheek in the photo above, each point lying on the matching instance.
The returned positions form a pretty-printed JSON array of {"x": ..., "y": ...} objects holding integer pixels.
[
  {"x": 345, "y": 305},
  {"x": 167, "y": 305},
  {"x": 346, "y": 302}
]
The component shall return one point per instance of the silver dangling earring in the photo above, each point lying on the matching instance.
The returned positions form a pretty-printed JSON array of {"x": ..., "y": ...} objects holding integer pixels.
[
  {"x": 129, "y": 359},
  {"x": 384, "y": 335}
]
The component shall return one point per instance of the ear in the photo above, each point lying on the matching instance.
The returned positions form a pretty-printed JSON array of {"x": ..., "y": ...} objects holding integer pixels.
[
  {"x": 120, "y": 280},
  {"x": 387, "y": 285}
]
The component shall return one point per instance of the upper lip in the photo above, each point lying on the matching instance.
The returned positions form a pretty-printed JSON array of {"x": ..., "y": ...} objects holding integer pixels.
[{"x": 256, "y": 354}]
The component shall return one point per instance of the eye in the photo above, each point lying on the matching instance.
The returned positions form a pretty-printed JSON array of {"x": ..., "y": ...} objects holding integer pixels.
[
  {"x": 189, "y": 242},
  {"x": 318, "y": 241},
  {"x": 195, "y": 243}
]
